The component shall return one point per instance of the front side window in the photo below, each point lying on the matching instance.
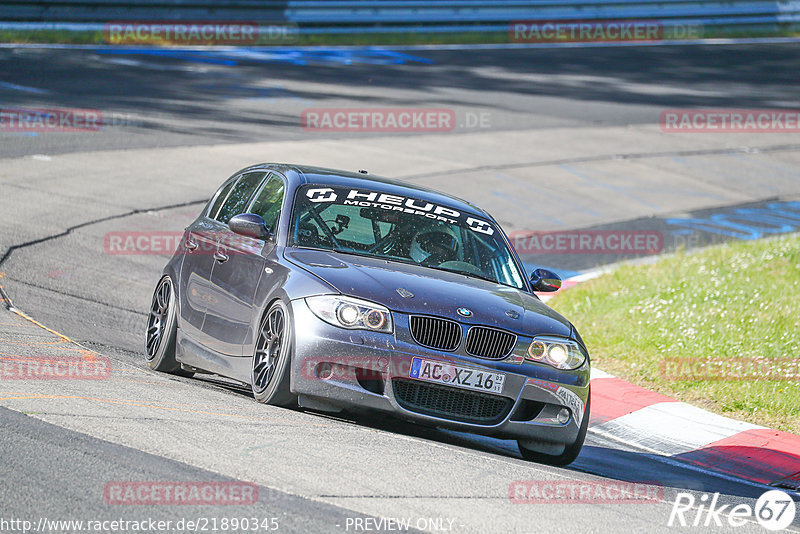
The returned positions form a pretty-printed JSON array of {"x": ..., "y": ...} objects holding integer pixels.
[
  {"x": 268, "y": 202},
  {"x": 238, "y": 196},
  {"x": 219, "y": 199},
  {"x": 402, "y": 228}
]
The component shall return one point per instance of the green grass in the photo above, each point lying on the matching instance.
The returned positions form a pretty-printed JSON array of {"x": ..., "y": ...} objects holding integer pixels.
[
  {"x": 738, "y": 302},
  {"x": 50, "y": 37},
  {"x": 97, "y": 37}
]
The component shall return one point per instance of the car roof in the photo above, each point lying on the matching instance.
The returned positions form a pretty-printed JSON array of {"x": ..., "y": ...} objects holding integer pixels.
[{"x": 305, "y": 174}]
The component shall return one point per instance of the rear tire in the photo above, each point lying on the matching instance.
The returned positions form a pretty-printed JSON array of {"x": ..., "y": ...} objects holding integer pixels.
[
  {"x": 270, "y": 372},
  {"x": 571, "y": 451},
  {"x": 162, "y": 329}
]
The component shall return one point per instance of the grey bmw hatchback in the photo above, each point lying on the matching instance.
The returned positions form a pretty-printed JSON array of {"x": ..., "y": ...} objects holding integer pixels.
[{"x": 336, "y": 290}]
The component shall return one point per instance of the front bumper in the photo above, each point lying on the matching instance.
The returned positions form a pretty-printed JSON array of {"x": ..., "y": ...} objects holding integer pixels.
[{"x": 369, "y": 371}]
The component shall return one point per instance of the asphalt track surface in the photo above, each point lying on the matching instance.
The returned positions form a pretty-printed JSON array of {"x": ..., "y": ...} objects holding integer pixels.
[{"x": 571, "y": 140}]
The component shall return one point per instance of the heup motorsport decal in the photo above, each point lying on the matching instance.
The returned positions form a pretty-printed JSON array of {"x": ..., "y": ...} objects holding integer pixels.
[
  {"x": 385, "y": 201},
  {"x": 573, "y": 401},
  {"x": 566, "y": 396}
]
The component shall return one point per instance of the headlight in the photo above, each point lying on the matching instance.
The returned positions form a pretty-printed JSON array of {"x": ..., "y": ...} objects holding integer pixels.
[
  {"x": 559, "y": 352},
  {"x": 355, "y": 314}
]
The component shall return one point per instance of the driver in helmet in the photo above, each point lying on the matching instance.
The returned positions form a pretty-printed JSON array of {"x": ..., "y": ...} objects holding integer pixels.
[{"x": 434, "y": 246}]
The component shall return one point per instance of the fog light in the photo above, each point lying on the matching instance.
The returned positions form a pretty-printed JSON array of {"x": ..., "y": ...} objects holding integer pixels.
[{"x": 563, "y": 416}]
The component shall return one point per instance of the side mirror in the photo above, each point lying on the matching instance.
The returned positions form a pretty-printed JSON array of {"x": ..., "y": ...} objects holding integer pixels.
[
  {"x": 545, "y": 281},
  {"x": 249, "y": 225}
]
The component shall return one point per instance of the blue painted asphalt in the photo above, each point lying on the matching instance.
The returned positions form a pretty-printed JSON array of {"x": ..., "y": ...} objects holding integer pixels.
[{"x": 294, "y": 55}]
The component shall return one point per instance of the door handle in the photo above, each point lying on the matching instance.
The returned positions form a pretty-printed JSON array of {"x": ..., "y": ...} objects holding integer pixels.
[
  {"x": 220, "y": 257},
  {"x": 191, "y": 244}
]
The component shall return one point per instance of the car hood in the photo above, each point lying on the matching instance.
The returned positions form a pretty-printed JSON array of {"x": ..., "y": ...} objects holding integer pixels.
[{"x": 438, "y": 293}]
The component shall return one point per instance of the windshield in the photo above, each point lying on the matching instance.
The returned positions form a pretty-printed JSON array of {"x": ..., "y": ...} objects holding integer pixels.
[{"x": 401, "y": 228}]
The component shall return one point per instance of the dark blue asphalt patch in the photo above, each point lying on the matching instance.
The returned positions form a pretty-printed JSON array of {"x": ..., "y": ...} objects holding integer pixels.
[
  {"x": 698, "y": 229},
  {"x": 294, "y": 56}
]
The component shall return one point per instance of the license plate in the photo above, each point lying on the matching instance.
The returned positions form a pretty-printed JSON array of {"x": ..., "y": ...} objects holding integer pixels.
[{"x": 455, "y": 375}]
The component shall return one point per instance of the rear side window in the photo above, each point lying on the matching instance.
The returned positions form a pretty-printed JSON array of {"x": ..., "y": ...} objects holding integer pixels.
[
  {"x": 268, "y": 202},
  {"x": 238, "y": 196}
]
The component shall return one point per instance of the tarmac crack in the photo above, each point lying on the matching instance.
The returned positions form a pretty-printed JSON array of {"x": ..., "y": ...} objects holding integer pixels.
[
  {"x": 105, "y": 346},
  {"x": 62, "y": 195},
  {"x": 78, "y": 297},
  {"x": 10, "y": 250}
]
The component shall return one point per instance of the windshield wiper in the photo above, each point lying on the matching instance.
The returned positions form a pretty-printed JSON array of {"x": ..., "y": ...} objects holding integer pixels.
[
  {"x": 353, "y": 252},
  {"x": 465, "y": 273}
]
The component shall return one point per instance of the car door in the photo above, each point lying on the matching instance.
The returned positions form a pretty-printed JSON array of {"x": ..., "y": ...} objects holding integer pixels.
[
  {"x": 236, "y": 269},
  {"x": 267, "y": 203},
  {"x": 199, "y": 245}
]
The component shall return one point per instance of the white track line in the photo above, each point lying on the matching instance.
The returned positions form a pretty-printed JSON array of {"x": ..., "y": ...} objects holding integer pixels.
[{"x": 674, "y": 427}]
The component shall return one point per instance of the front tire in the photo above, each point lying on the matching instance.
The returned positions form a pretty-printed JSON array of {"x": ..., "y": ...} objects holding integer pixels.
[
  {"x": 162, "y": 329},
  {"x": 571, "y": 451},
  {"x": 270, "y": 375}
]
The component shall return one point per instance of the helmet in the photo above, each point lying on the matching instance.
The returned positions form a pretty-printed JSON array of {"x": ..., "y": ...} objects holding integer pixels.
[{"x": 434, "y": 246}]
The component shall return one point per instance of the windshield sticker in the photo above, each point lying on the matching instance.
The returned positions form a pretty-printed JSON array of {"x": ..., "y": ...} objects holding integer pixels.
[
  {"x": 573, "y": 402},
  {"x": 323, "y": 194},
  {"x": 385, "y": 201}
]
